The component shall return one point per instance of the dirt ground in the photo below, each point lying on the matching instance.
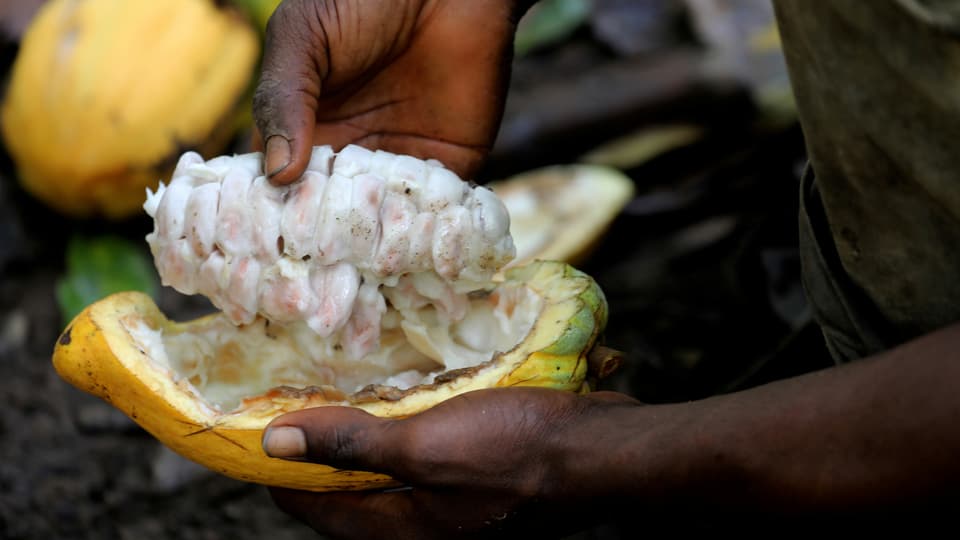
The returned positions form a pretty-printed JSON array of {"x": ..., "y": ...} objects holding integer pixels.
[{"x": 700, "y": 271}]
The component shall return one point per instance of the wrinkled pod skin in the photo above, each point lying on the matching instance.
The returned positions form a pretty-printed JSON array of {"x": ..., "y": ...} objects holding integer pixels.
[
  {"x": 98, "y": 354},
  {"x": 105, "y": 95}
]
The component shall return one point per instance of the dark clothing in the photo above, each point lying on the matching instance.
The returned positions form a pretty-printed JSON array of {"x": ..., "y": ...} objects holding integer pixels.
[{"x": 877, "y": 84}]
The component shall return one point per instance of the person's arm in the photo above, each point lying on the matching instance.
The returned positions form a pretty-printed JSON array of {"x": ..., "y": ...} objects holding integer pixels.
[
  {"x": 875, "y": 440},
  {"x": 420, "y": 77},
  {"x": 878, "y": 437}
]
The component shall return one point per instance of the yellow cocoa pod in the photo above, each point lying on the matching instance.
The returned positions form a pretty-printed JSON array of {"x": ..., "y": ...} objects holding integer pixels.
[
  {"x": 206, "y": 388},
  {"x": 105, "y": 95}
]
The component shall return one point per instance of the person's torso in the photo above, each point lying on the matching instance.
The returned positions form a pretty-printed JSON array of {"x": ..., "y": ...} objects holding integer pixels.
[{"x": 877, "y": 85}]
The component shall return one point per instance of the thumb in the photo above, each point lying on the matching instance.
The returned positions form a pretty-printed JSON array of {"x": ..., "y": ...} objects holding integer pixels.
[
  {"x": 285, "y": 101},
  {"x": 342, "y": 437}
]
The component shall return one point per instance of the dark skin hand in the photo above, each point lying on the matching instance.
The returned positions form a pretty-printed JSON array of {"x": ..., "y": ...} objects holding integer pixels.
[
  {"x": 874, "y": 442},
  {"x": 493, "y": 461},
  {"x": 420, "y": 77},
  {"x": 871, "y": 444}
]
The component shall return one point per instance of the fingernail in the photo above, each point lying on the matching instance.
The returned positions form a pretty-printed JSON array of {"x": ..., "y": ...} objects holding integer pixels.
[
  {"x": 277, "y": 154},
  {"x": 285, "y": 442}
]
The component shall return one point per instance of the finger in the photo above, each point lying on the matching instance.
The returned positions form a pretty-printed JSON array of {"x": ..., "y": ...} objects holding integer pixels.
[
  {"x": 342, "y": 437},
  {"x": 351, "y": 514},
  {"x": 285, "y": 101}
]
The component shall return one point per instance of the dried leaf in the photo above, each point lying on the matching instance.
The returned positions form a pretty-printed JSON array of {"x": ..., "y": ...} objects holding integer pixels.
[{"x": 639, "y": 147}]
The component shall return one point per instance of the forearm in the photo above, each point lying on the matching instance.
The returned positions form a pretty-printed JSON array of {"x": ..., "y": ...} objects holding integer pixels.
[{"x": 879, "y": 434}]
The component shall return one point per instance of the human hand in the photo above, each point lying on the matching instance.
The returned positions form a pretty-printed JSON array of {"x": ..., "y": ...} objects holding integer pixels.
[
  {"x": 420, "y": 77},
  {"x": 499, "y": 462}
]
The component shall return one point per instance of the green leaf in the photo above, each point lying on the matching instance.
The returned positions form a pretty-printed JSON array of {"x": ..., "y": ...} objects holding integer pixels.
[
  {"x": 100, "y": 266},
  {"x": 549, "y": 22}
]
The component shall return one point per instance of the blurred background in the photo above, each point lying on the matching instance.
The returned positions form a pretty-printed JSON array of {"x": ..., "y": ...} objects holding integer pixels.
[{"x": 689, "y": 99}]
